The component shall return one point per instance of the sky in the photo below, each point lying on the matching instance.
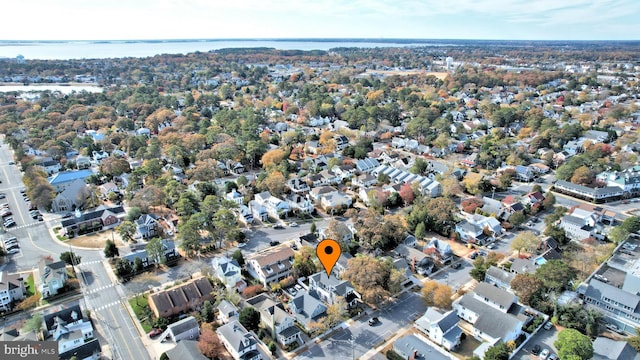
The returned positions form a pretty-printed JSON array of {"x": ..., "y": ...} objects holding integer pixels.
[{"x": 260, "y": 19}]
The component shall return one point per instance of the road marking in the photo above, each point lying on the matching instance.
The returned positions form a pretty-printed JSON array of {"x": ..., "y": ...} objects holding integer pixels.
[
  {"x": 103, "y": 307},
  {"x": 101, "y": 288}
]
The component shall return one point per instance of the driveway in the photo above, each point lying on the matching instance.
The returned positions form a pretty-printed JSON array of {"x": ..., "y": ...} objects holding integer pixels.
[{"x": 544, "y": 338}]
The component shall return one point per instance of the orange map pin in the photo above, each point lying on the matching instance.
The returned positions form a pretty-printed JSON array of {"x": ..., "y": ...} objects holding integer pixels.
[{"x": 328, "y": 252}]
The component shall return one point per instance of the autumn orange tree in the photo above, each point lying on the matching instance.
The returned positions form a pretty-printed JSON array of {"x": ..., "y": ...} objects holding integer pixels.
[
  {"x": 209, "y": 344},
  {"x": 436, "y": 294}
]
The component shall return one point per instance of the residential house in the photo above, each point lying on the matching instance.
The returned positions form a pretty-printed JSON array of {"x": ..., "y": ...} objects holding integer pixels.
[
  {"x": 107, "y": 189},
  {"x": 53, "y": 277},
  {"x": 524, "y": 173},
  {"x": 271, "y": 265},
  {"x": 185, "y": 350},
  {"x": 181, "y": 298},
  {"x": 275, "y": 207},
  {"x": 240, "y": 343},
  {"x": 418, "y": 261},
  {"x": 300, "y": 204},
  {"x": 487, "y": 308},
  {"x": 365, "y": 181},
  {"x": 147, "y": 227},
  {"x": 442, "y": 250},
  {"x": 412, "y": 347},
  {"x": 341, "y": 142},
  {"x": 73, "y": 333},
  {"x": 344, "y": 172},
  {"x": 331, "y": 288},
  {"x": 609, "y": 349},
  {"x": 71, "y": 197},
  {"x": 532, "y": 198},
  {"x": 492, "y": 207},
  {"x": 235, "y": 197},
  {"x": 229, "y": 272},
  {"x": 244, "y": 214},
  {"x": 619, "y": 307},
  {"x": 11, "y": 289},
  {"x": 298, "y": 186},
  {"x": 336, "y": 200},
  {"x": 185, "y": 329},
  {"x": 510, "y": 205},
  {"x": 258, "y": 211},
  {"x": 580, "y": 223},
  {"x": 499, "y": 277},
  {"x": 227, "y": 312},
  {"x": 478, "y": 229},
  {"x": 61, "y": 180},
  {"x": 367, "y": 165},
  {"x": 235, "y": 167},
  {"x": 307, "y": 308},
  {"x": 440, "y": 327},
  {"x": 50, "y": 166},
  {"x": 96, "y": 220},
  {"x": 139, "y": 251},
  {"x": 276, "y": 320},
  {"x": 317, "y": 193},
  {"x": 628, "y": 180}
]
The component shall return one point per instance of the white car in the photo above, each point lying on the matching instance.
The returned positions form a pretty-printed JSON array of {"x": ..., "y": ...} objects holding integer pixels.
[
  {"x": 13, "y": 251},
  {"x": 544, "y": 354},
  {"x": 293, "y": 224}
]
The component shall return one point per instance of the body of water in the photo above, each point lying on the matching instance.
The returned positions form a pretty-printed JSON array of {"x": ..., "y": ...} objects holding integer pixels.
[
  {"x": 61, "y": 50},
  {"x": 65, "y": 89}
]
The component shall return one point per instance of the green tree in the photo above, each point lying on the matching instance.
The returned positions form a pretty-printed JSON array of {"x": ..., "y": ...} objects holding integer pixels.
[
  {"x": 556, "y": 274},
  {"x": 137, "y": 264},
  {"x": 249, "y": 318},
  {"x": 497, "y": 352},
  {"x": 238, "y": 257},
  {"x": 70, "y": 258},
  {"x": 617, "y": 234},
  {"x": 313, "y": 228},
  {"x": 34, "y": 323},
  {"x": 126, "y": 230},
  {"x": 155, "y": 251},
  {"x": 304, "y": 262},
  {"x": 517, "y": 218},
  {"x": 110, "y": 249},
  {"x": 634, "y": 341},
  {"x": 207, "y": 312},
  {"x": 525, "y": 240},
  {"x": 572, "y": 343},
  {"x": 631, "y": 224}
]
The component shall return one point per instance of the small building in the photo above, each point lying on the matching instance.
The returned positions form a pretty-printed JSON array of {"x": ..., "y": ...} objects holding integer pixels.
[{"x": 187, "y": 328}]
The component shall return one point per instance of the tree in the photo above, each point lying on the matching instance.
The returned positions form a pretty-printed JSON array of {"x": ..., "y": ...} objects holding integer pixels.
[
  {"x": 436, "y": 294},
  {"x": 70, "y": 258},
  {"x": 304, "y": 262},
  {"x": 634, "y": 341},
  {"x": 209, "y": 344},
  {"x": 272, "y": 347},
  {"x": 617, "y": 234},
  {"x": 155, "y": 251},
  {"x": 556, "y": 274},
  {"x": 110, "y": 249},
  {"x": 517, "y": 218},
  {"x": 571, "y": 343},
  {"x": 313, "y": 228},
  {"x": 582, "y": 176},
  {"x": 406, "y": 193},
  {"x": 34, "y": 323},
  {"x": 207, "y": 312},
  {"x": 525, "y": 286},
  {"x": 375, "y": 279},
  {"x": 238, "y": 257},
  {"x": 526, "y": 240},
  {"x": 631, "y": 224},
  {"x": 497, "y": 352},
  {"x": 126, "y": 230},
  {"x": 137, "y": 264},
  {"x": 249, "y": 318}
]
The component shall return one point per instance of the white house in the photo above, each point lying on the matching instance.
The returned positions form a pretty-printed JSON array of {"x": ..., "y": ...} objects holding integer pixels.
[
  {"x": 228, "y": 271},
  {"x": 441, "y": 327},
  {"x": 271, "y": 265},
  {"x": 240, "y": 343},
  {"x": 276, "y": 208}
]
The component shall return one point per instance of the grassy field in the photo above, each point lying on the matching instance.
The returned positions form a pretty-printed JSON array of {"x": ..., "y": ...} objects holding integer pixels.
[{"x": 140, "y": 306}]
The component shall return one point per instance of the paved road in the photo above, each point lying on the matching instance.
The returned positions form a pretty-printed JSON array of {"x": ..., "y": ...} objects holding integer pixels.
[
  {"x": 544, "y": 338},
  {"x": 101, "y": 296},
  {"x": 393, "y": 317}
]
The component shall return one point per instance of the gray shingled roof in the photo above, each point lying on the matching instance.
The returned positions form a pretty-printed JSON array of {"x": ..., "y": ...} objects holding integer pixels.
[
  {"x": 490, "y": 321},
  {"x": 598, "y": 290},
  {"x": 494, "y": 294}
]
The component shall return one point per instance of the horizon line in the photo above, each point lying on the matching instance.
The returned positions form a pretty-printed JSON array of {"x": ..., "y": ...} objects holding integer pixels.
[{"x": 318, "y": 39}]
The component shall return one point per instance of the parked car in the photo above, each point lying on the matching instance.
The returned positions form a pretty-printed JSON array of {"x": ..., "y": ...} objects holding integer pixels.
[
  {"x": 13, "y": 251},
  {"x": 548, "y": 325},
  {"x": 293, "y": 291},
  {"x": 544, "y": 354},
  {"x": 3, "y": 195},
  {"x": 373, "y": 321},
  {"x": 492, "y": 246},
  {"x": 473, "y": 255},
  {"x": 293, "y": 224},
  {"x": 241, "y": 245},
  {"x": 535, "y": 350},
  {"x": 553, "y": 357},
  {"x": 456, "y": 265},
  {"x": 278, "y": 226},
  {"x": 274, "y": 243},
  {"x": 154, "y": 332}
]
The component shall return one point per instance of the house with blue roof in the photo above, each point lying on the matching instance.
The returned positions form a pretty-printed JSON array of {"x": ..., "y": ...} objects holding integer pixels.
[{"x": 61, "y": 180}]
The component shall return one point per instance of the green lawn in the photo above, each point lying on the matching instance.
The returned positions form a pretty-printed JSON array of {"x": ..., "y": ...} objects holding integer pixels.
[
  {"x": 31, "y": 285},
  {"x": 140, "y": 306}
]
